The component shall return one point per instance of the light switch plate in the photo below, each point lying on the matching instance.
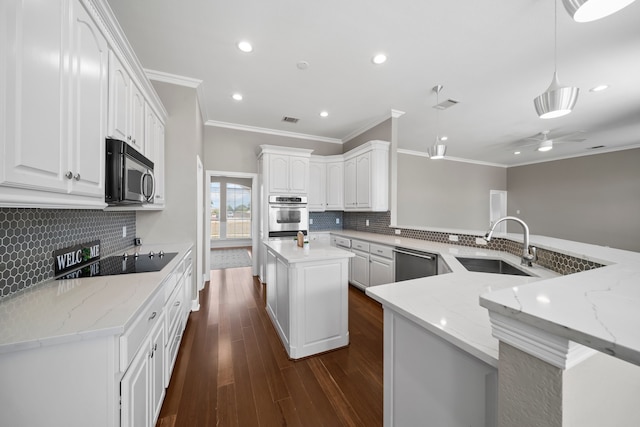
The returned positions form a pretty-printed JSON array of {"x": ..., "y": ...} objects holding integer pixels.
[
  {"x": 398, "y": 231},
  {"x": 480, "y": 241},
  {"x": 366, "y": 223},
  {"x": 453, "y": 238},
  {"x": 124, "y": 231}
]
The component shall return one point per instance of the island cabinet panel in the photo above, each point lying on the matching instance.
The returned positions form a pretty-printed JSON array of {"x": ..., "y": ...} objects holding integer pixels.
[
  {"x": 428, "y": 378},
  {"x": 307, "y": 297}
]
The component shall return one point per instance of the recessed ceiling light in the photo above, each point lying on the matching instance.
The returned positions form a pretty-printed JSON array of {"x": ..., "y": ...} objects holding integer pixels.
[
  {"x": 516, "y": 152},
  {"x": 245, "y": 46},
  {"x": 380, "y": 58},
  {"x": 324, "y": 114},
  {"x": 444, "y": 138},
  {"x": 237, "y": 96},
  {"x": 599, "y": 88},
  {"x": 302, "y": 65}
]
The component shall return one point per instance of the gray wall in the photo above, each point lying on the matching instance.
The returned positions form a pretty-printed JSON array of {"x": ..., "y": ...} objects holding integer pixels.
[
  {"x": 381, "y": 132},
  {"x": 593, "y": 199},
  {"x": 445, "y": 194},
  {"x": 234, "y": 150},
  {"x": 183, "y": 142}
]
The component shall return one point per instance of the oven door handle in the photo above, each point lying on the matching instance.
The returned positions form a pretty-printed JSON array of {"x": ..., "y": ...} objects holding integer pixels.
[
  {"x": 413, "y": 254},
  {"x": 271, "y": 205}
]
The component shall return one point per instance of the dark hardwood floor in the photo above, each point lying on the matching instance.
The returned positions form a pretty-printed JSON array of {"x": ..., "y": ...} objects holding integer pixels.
[{"x": 232, "y": 369}]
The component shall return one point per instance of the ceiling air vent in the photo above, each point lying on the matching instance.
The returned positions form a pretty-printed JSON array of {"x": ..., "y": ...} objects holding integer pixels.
[
  {"x": 447, "y": 103},
  {"x": 290, "y": 119}
]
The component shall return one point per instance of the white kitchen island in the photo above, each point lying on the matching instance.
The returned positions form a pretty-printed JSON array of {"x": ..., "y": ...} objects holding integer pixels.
[{"x": 307, "y": 296}]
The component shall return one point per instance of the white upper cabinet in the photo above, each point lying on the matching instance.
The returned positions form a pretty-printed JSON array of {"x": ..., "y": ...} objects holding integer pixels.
[
  {"x": 126, "y": 106},
  {"x": 89, "y": 80},
  {"x": 154, "y": 150},
  {"x": 53, "y": 107},
  {"x": 335, "y": 183},
  {"x": 317, "y": 184},
  {"x": 366, "y": 177},
  {"x": 65, "y": 86},
  {"x": 285, "y": 170}
]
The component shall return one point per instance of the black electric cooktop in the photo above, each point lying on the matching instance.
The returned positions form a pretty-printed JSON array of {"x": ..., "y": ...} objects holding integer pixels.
[{"x": 123, "y": 264}]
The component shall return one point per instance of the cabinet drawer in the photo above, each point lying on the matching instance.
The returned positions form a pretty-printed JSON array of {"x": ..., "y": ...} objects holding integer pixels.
[
  {"x": 383, "y": 251},
  {"x": 133, "y": 337},
  {"x": 340, "y": 242},
  {"x": 175, "y": 305},
  {"x": 361, "y": 246}
]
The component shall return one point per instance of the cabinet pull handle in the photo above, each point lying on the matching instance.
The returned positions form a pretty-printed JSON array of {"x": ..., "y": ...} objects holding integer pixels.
[
  {"x": 77, "y": 177},
  {"x": 129, "y": 137},
  {"x": 177, "y": 303},
  {"x": 69, "y": 175},
  {"x": 153, "y": 315}
]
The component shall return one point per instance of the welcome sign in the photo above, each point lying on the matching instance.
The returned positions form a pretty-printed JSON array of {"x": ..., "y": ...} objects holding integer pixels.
[{"x": 76, "y": 256}]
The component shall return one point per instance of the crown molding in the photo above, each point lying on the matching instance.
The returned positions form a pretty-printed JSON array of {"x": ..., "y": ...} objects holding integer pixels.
[
  {"x": 197, "y": 84},
  {"x": 268, "y": 131},
  {"x": 451, "y": 159},
  {"x": 374, "y": 123}
]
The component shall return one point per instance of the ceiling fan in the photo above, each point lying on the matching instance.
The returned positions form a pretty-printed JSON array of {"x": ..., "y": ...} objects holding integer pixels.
[{"x": 545, "y": 142}]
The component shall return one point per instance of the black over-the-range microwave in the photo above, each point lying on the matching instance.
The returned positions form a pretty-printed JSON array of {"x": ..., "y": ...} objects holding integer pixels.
[{"x": 129, "y": 175}]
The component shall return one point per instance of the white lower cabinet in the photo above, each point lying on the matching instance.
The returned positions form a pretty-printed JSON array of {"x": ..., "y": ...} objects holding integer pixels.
[
  {"x": 372, "y": 264},
  {"x": 102, "y": 381},
  {"x": 307, "y": 303},
  {"x": 142, "y": 386}
]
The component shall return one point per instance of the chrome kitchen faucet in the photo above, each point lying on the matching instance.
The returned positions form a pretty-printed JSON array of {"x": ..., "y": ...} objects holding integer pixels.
[{"x": 529, "y": 254}]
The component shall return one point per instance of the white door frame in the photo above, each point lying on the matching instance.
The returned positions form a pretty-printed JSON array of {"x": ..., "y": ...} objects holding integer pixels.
[
  {"x": 255, "y": 212},
  {"x": 203, "y": 274}
]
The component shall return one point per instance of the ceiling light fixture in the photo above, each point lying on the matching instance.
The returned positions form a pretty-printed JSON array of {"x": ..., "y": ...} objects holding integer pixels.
[
  {"x": 324, "y": 114},
  {"x": 556, "y": 101},
  {"x": 245, "y": 46},
  {"x": 380, "y": 58},
  {"x": 545, "y": 145},
  {"x": 237, "y": 96},
  {"x": 591, "y": 10},
  {"x": 599, "y": 88},
  {"x": 438, "y": 150}
]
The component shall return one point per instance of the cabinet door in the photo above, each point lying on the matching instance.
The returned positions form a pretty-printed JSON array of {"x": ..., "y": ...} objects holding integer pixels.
[
  {"x": 317, "y": 186},
  {"x": 89, "y": 83},
  {"x": 335, "y": 186},
  {"x": 363, "y": 180},
  {"x": 156, "y": 371},
  {"x": 282, "y": 296},
  {"x": 158, "y": 165},
  {"x": 381, "y": 271},
  {"x": 360, "y": 269},
  {"x": 32, "y": 81},
  {"x": 134, "y": 389},
  {"x": 278, "y": 174},
  {"x": 119, "y": 99},
  {"x": 136, "y": 136},
  {"x": 350, "y": 178},
  {"x": 298, "y": 174}
]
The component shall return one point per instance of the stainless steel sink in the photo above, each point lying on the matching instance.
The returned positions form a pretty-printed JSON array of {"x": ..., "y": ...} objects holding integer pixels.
[{"x": 488, "y": 265}]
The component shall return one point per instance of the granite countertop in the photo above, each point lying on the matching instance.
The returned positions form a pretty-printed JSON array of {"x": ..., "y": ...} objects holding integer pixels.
[
  {"x": 598, "y": 308},
  {"x": 58, "y": 311},
  {"x": 312, "y": 251}
]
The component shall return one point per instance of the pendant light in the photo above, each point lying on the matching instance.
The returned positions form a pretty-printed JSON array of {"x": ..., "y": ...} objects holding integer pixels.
[
  {"x": 591, "y": 10},
  {"x": 438, "y": 150},
  {"x": 556, "y": 101}
]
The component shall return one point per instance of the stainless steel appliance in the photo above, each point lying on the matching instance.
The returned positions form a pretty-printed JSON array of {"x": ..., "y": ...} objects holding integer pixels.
[
  {"x": 412, "y": 264},
  {"x": 129, "y": 175},
  {"x": 288, "y": 215}
]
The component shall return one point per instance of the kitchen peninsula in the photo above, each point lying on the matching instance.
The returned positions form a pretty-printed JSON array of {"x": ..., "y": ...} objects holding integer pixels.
[{"x": 307, "y": 296}]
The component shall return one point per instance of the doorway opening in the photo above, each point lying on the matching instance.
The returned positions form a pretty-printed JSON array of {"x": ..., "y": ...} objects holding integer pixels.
[{"x": 232, "y": 213}]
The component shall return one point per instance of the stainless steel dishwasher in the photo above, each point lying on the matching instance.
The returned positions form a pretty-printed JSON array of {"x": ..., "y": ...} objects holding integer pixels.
[{"x": 412, "y": 264}]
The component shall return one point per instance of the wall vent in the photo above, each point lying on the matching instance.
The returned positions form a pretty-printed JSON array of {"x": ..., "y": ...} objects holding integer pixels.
[
  {"x": 290, "y": 119},
  {"x": 448, "y": 103}
]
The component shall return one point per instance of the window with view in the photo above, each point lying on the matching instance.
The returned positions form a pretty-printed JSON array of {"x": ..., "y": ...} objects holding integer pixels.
[{"x": 234, "y": 220}]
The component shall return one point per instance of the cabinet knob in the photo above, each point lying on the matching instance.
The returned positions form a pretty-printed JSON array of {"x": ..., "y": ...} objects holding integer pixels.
[
  {"x": 69, "y": 175},
  {"x": 153, "y": 315},
  {"x": 177, "y": 303},
  {"x": 77, "y": 177},
  {"x": 129, "y": 137}
]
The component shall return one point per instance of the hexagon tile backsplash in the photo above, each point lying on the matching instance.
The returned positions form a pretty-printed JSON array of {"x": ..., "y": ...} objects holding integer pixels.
[{"x": 28, "y": 238}]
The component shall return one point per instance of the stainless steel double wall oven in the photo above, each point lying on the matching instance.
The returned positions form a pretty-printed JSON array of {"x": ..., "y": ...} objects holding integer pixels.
[{"x": 287, "y": 216}]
